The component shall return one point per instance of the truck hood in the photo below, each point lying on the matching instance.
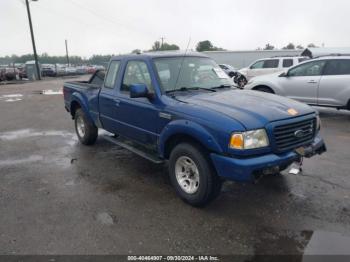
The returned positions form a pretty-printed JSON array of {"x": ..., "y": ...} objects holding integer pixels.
[{"x": 251, "y": 108}]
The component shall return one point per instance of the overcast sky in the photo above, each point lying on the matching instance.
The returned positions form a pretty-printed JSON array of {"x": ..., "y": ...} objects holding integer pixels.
[{"x": 119, "y": 26}]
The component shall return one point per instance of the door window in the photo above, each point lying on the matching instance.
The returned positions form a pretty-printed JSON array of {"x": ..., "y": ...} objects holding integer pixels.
[
  {"x": 258, "y": 65},
  {"x": 271, "y": 63},
  {"x": 337, "y": 67},
  {"x": 136, "y": 73},
  {"x": 287, "y": 62},
  {"x": 112, "y": 74},
  {"x": 309, "y": 69}
]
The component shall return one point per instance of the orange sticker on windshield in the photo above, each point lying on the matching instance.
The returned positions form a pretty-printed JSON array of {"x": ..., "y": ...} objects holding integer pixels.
[{"x": 292, "y": 111}]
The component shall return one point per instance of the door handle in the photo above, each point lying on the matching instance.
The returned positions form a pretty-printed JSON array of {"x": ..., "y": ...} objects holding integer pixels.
[
  {"x": 312, "y": 82},
  {"x": 116, "y": 102}
]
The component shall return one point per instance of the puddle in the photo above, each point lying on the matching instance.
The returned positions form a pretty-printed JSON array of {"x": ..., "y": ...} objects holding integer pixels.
[
  {"x": 26, "y": 133},
  {"x": 30, "y": 159},
  {"x": 70, "y": 183},
  {"x": 11, "y": 97},
  {"x": 49, "y": 92},
  {"x": 59, "y": 155},
  {"x": 105, "y": 219},
  {"x": 286, "y": 242},
  {"x": 304, "y": 246},
  {"x": 13, "y": 100},
  {"x": 327, "y": 243}
]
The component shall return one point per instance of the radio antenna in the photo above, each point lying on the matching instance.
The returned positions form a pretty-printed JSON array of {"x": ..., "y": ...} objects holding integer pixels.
[{"x": 182, "y": 61}]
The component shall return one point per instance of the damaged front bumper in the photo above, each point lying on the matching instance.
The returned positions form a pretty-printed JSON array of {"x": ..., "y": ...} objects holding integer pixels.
[
  {"x": 248, "y": 169},
  {"x": 317, "y": 147}
]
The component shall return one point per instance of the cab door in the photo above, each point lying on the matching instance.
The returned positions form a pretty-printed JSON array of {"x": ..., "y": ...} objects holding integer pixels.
[
  {"x": 138, "y": 117},
  {"x": 301, "y": 82},
  {"x": 108, "y": 105}
]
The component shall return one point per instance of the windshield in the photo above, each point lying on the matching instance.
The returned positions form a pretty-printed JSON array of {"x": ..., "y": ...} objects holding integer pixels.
[{"x": 196, "y": 73}]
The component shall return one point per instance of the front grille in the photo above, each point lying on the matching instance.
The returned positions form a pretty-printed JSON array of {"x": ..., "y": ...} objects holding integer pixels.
[{"x": 293, "y": 135}]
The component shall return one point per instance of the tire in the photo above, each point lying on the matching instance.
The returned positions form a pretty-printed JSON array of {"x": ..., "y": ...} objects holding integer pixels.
[
  {"x": 189, "y": 163},
  {"x": 241, "y": 81},
  {"x": 264, "y": 89},
  {"x": 86, "y": 131}
]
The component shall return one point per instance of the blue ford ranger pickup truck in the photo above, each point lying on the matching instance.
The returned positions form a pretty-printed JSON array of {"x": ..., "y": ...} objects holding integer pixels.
[{"x": 182, "y": 107}]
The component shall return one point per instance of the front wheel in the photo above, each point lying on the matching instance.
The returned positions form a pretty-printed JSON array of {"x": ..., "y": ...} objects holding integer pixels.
[
  {"x": 192, "y": 175},
  {"x": 240, "y": 80},
  {"x": 86, "y": 131}
]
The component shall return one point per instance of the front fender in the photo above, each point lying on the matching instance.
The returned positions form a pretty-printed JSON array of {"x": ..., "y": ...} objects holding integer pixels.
[
  {"x": 189, "y": 128},
  {"x": 77, "y": 97}
]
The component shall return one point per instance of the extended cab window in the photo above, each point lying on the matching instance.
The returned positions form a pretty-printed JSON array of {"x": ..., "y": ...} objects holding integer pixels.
[
  {"x": 309, "y": 69},
  {"x": 136, "y": 73},
  {"x": 337, "y": 67},
  {"x": 98, "y": 78},
  {"x": 273, "y": 63},
  {"x": 287, "y": 62},
  {"x": 112, "y": 74}
]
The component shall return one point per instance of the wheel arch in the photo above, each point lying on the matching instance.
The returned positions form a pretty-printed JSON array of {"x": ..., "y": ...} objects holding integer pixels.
[
  {"x": 186, "y": 131},
  {"x": 73, "y": 107},
  {"x": 79, "y": 102},
  {"x": 257, "y": 87}
]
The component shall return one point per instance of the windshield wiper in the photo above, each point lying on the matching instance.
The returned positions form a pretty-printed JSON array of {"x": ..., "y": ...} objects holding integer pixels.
[
  {"x": 221, "y": 86},
  {"x": 184, "y": 88}
]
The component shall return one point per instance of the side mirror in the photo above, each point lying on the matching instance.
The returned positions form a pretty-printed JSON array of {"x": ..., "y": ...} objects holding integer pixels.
[
  {"x": 139, "y": 90},
  {"x": 284, "y": 74}
]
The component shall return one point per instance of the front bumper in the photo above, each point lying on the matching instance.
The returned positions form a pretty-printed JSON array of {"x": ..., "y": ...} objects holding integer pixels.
[{"x": 246, "y": 169}]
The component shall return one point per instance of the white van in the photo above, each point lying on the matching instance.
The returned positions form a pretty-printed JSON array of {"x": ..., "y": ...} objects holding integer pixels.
[{"x": 270, "y": 65}]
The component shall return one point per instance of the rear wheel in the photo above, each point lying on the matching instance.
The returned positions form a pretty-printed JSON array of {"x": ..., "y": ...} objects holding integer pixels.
[
  {"x": 264, "y": 89},
  {"x": 192, "y": 175},
  {"x": 86, "y": 131}
]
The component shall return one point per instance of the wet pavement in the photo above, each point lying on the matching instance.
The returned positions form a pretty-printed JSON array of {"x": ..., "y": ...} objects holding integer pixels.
[{"x": 60, "y": 197}]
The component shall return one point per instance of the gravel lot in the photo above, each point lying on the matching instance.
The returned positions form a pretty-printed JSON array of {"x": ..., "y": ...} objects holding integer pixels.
[{"x": 59, "y": 197}]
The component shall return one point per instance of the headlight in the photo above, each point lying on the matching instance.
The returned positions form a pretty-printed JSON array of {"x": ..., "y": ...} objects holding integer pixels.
[
  {"x": 318, "y": 123},
  {"x": 249, "y": 139}
]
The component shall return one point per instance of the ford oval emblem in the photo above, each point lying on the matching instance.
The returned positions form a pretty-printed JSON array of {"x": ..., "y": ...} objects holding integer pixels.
[{"x": 299, "y": 133}]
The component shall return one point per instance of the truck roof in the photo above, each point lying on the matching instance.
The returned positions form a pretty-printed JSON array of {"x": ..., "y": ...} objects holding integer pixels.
[{"x": 161, "y": 54}]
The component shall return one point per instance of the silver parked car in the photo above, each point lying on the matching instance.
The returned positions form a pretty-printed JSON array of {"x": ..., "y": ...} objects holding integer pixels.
[{"x": 323, "y": 81}]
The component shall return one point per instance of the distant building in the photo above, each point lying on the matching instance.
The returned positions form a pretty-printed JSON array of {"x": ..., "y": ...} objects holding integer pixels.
[{"x": 240, "y": 59}]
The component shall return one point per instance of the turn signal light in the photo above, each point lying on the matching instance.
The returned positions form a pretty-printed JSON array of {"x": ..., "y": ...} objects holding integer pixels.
[{"x": 237, "y": 141}]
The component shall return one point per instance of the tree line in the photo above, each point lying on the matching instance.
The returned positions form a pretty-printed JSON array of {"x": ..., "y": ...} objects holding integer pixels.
[
  {"x": 201, "y": 46},
  {"x": 290, "y": 46}
]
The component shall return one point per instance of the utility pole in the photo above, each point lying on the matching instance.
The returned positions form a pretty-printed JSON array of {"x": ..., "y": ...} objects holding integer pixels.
[
  {"x": 67, "y": 52},
  {"x": 162, "y": 38},
  {"x": 33, "y": 41}
]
